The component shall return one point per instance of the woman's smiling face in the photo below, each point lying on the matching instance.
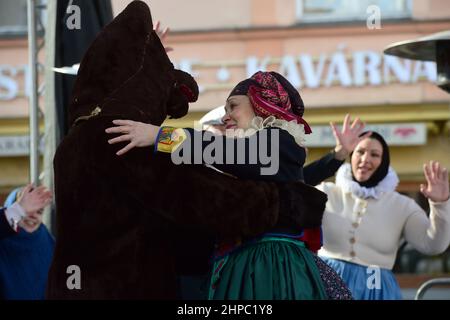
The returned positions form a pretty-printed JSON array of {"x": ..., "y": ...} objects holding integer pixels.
[
  {"x": 238, "y": 112},
  {"x": 366, "y": 159}
]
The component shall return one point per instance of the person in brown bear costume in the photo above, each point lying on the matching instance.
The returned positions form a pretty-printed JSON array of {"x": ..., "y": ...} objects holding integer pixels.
[{"x": 116, "y": 215}]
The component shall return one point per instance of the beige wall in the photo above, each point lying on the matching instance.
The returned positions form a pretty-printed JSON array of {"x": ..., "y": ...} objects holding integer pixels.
[
  {"x": 431, "y": 9},
  {"x": 218, "y": 14},
  {"x": 228, "y": 14},
  {"x": 231, "y": 49},
  {"x": 197, "y": 14}
]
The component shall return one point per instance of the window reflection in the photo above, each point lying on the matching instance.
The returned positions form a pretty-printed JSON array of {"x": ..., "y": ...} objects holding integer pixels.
[{"x": 347, "y": 10}]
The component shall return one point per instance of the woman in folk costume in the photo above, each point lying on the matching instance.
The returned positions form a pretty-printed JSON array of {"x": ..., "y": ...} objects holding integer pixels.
[
  {"x": 366, "y": 219},
  {"x": 277, "y": 264}
]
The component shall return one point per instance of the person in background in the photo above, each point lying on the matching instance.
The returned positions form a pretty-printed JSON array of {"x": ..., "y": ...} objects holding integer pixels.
[
  {"x": 365, "y": 220},
  {"x": 25, "y": 257},
  {"x": 31, "y": 201}
]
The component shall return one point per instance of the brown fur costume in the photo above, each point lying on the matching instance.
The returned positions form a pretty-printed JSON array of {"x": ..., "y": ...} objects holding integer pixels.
[{"x": 116, "y": 216}]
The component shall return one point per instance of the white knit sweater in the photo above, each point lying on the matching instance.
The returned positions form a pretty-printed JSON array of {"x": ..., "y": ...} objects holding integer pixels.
[{"x": 366, "y": 226}]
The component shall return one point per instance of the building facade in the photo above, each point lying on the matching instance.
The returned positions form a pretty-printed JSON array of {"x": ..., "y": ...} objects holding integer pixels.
[{"x": 332, "y": 51}]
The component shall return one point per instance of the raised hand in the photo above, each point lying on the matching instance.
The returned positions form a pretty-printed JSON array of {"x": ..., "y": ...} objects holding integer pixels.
[
  {"x": 437, "y": 188},
  {"x": 139, "y": 134},
  {"x": 162, "y": 34},
  {"x": 348, "y": 138},
  {"x": 34, "y": 199}
]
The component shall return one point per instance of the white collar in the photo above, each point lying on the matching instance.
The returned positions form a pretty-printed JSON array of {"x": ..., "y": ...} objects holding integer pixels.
[
  {"x": 345, "y": 181},
  {"x": 297, "y": 130}
]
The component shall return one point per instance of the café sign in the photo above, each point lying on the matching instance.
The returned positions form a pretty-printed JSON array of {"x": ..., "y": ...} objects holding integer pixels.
[
  {"x": 395, "y": 134},
  {"x": 359, "y": 68},
  {"x": 16, "y": 146}
]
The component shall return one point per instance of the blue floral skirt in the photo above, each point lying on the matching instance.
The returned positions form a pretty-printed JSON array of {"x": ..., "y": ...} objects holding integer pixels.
[{"x": 367, "y": 283}]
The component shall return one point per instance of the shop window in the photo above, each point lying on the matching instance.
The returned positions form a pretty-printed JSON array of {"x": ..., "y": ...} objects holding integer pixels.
[
  {"x": 349, "y": 10},
  {"x": 13, "y": 17}
]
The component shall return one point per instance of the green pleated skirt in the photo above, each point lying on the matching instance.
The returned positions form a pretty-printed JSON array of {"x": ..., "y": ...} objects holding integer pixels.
[{"x": 271, "y": 268}]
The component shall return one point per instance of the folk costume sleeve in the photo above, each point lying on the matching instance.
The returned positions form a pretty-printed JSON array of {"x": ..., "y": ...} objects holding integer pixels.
[
  {"x": 270, "y": 154},
  {"x": 322, "y": 169},
  {"x": 429, "y": 235}
]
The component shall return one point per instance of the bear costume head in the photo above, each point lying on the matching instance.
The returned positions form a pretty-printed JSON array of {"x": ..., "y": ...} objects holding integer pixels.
[{"x": 123, "y": 70}]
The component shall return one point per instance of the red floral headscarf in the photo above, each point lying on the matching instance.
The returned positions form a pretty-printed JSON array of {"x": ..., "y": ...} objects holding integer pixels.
[{"x": 272, "y": 95}]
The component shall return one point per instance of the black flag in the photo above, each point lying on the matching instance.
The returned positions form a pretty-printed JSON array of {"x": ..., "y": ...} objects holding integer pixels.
[{"x": 78, "y": 22}]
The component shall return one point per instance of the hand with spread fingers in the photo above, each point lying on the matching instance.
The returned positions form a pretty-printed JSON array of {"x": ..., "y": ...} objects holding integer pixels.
[
  {"x": 34, "y": 199},
  {"x": 137, "y": 133},
  {"x": 437, "y": 188},
  {"x": 349, "y": 137},
  {"x": 162, "y": 34}
]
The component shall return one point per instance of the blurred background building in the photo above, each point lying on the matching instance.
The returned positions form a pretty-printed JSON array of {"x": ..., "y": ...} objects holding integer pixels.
[{"x": 331, "y": 50}]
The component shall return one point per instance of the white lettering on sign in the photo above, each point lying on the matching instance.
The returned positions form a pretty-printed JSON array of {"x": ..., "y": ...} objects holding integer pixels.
[
  {"x": 366, "y": 64},
  {"x": 338, "y": 71},
  {"x": 303, "y": 71},
  {"x": 360, "y": 68},
  {"x": 253, "y": 65},
  {"x": 13, "y": 146},
  {"x": 8, "y": 86},
  {"x": 400, "y": 68},
  {"x": 312, "y": 73},
  {"x": 289, "y": 68}
]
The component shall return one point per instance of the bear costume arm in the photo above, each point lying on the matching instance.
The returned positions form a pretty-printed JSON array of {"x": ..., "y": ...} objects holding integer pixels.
[{"x": 189, "y": 195}]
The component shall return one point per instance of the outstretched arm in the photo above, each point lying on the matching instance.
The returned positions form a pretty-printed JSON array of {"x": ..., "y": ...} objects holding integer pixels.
[
  {"x": 241, "y": 157},
  {"x": 322, "y": 169},
  {"x": 431, "y": 235},
  {"x": 191, "y": 195}
]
